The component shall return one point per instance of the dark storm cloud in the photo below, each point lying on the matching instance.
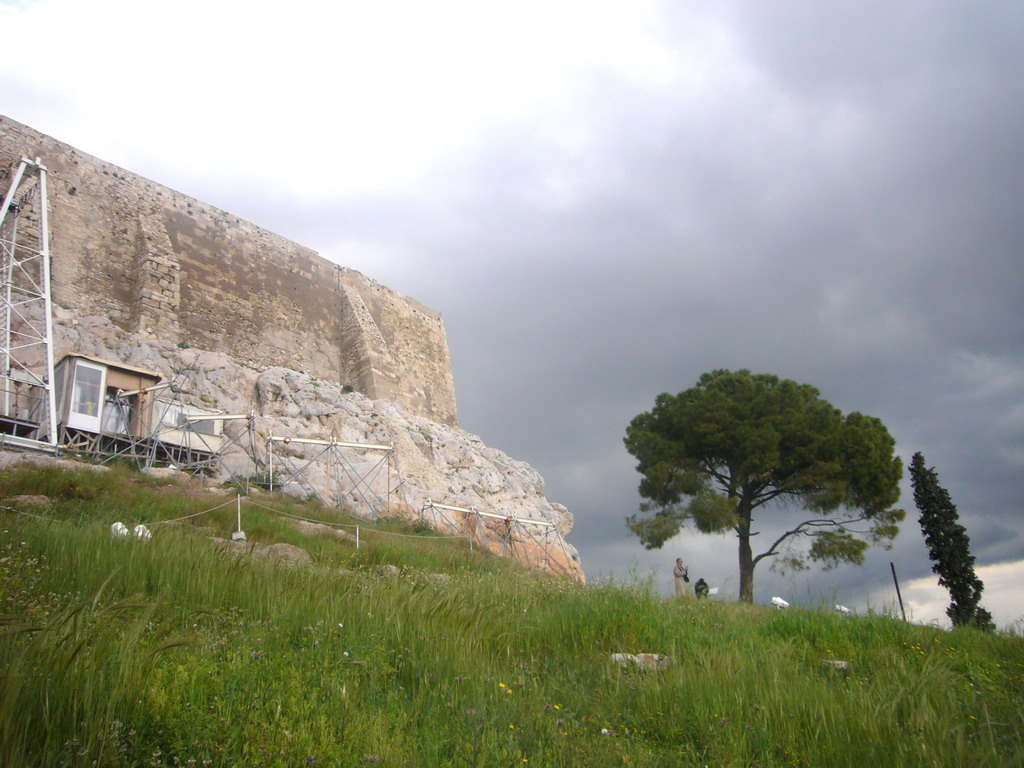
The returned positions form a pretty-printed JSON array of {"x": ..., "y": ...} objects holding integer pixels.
[{"x": 850, "y": 218}]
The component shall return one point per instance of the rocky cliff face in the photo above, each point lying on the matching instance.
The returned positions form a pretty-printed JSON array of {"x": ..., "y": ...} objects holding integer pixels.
[{"x": 429, "y": 461}]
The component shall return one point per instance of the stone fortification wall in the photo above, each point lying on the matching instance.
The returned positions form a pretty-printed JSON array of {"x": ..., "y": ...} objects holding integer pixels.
[{"x": 164, "y": 265}]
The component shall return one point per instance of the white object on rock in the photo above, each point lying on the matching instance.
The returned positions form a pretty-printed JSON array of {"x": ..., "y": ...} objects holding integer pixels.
[
  {"x": 119, "y": 529},
  {"x": 142, "y": 532},
  {"x": 779, "y": 602}
]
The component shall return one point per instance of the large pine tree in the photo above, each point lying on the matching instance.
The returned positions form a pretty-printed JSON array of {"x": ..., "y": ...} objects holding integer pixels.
[
  {"x": 949, "y": 548},
  {"x": 741, "y": 445}
]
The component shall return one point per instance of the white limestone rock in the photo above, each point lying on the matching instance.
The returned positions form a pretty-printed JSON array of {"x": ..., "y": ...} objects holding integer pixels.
[{"x": 433, "y": 461}]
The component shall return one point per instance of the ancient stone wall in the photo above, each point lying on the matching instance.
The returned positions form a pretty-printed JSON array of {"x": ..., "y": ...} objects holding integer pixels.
[{"x": 167, "y": 266}]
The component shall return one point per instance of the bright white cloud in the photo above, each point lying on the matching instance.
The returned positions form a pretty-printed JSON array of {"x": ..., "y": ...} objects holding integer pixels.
[
  {"x": 322, "y": 99},
  {"x": 926, "y": 601}
]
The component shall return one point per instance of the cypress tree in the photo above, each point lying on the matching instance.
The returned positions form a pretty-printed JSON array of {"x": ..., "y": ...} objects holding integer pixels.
[{"x": 949, "y": 548}]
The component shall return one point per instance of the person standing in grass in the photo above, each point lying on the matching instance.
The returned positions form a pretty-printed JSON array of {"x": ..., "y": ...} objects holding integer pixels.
[{"x": 682, "y": 574}]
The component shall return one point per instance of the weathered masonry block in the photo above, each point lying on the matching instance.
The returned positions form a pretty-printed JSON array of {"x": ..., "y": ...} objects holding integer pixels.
[{"x": 168, "y": 266}]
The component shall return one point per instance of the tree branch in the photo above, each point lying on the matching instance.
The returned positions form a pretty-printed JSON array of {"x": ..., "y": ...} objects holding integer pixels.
[
  {"x": 725, "y": 480},
  {"x": 759, "y": 500},
  {"x": 801, "y": 529}
]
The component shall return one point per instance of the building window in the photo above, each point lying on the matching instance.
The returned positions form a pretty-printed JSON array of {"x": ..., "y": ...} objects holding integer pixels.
[
  {"x": 88, "y": 385},
  {"x": 85, "y": 409}
]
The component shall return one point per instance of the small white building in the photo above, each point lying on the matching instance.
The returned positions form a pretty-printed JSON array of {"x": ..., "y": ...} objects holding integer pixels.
[
  {"x": 87, "y": 393},
  {"x": 103, "y": 404}
]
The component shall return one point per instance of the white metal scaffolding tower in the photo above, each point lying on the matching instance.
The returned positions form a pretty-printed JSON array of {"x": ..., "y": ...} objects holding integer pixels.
[{"x": 29, "y": 416}]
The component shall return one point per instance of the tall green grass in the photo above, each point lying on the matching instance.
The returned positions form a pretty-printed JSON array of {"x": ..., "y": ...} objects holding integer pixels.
[{"x": 174, "y": 652}]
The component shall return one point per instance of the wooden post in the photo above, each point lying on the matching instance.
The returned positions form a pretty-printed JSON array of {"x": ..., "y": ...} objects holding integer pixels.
[{"x": 898, "y": 595}]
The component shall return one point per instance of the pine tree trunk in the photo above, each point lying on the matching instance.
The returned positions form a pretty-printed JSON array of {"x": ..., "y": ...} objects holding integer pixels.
[
  {"x": 746, "y": 555},
  {"x": 746, "y": 569}
]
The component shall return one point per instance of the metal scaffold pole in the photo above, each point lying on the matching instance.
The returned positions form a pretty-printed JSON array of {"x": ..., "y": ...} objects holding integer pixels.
[
  {"x": 44, "y": 253},
  {"x": 29, "y": 417}
]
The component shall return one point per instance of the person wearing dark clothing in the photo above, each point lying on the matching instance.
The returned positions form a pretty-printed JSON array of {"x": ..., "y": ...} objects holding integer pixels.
[{"x": 701, "y": 588}]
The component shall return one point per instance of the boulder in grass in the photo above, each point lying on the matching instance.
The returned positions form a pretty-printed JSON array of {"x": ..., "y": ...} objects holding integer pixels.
[
  {"x": 288, "y": 553},
  {"x": 322, "y": 529},
  {"x": 27, "y": 500},
  {"x": 836, "y": 664},
  {"x": 163, "y": 472},
  {"x": 644, "y": 661}
]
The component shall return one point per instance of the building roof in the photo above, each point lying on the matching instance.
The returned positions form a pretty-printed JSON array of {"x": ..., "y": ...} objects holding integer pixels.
[{"x": 115, "y": 364}]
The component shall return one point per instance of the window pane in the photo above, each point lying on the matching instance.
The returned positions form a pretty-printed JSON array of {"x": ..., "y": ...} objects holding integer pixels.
[
  {"x": 115, "y": 416},
  {"x": 204, "y": 427},
  {"x": 86, "y": 399},
  {"x": 170, "y": 415}
]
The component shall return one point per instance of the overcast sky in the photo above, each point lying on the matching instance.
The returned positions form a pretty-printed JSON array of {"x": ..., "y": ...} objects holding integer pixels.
[{"x": 605, "y": 200}]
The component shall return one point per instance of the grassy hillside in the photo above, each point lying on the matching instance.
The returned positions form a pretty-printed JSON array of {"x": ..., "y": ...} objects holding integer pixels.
[{"x": 118, "y": 652}]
